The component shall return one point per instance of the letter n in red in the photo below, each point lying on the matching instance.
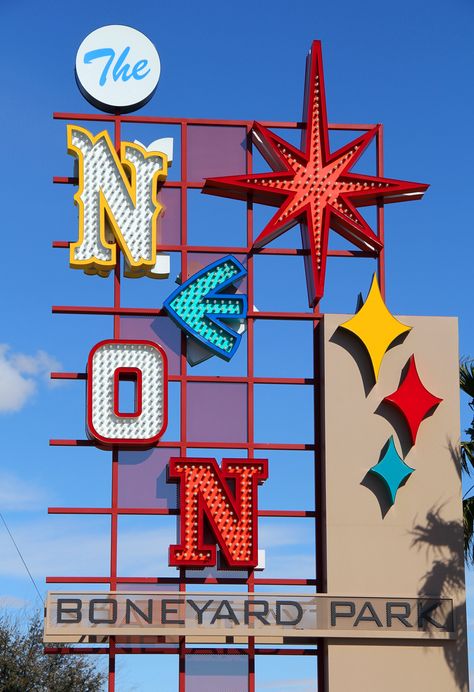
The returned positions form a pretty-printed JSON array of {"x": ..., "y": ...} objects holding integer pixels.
[{"x": 205, "y": 491}]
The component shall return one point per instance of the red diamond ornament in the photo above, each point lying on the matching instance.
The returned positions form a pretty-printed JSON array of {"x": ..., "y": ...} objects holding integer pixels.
[
  {"x": 413, "y": 400},
  {"x": 313, "y": 186}
]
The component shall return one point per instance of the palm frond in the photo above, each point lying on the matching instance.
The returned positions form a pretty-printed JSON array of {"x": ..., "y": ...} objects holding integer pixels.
[
  {"x": 467, "y": 456},
  {"x": 466, "y": 376},
  {"x": 468, "y": 520},
  {"x": 466, "y": 381}
]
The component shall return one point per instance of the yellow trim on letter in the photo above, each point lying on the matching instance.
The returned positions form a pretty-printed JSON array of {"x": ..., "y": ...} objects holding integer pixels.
[{"x": 94, "y": 264}]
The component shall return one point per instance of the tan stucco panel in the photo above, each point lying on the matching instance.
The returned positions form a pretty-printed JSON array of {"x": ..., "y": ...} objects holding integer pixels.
[
  {"x": 394, "y": 668},
  {"x": 415, "y": 546}
]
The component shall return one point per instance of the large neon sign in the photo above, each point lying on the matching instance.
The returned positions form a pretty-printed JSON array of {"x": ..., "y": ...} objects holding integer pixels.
[{"x": 203, "y": 448}]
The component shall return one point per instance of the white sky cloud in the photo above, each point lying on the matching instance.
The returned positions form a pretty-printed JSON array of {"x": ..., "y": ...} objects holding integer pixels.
[
  {"x": 40, "y": 364},
  {"x": 19, "y": 376}
]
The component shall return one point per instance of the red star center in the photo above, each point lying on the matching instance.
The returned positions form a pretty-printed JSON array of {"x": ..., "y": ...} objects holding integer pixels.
[{"x": 313, "y": 187}]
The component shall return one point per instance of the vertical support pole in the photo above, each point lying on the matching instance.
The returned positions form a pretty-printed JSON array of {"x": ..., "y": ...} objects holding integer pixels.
[
  {"x": 184, "y": 274},
  {"x": 380, "y": 214},
  {"x": 250, "y": 384},
  {"x": 111, "y": 675},
  {"x": 183, "y": 366},
  {"x": 319, "y": 484},
  {"x": 114, "y": 480},
  {"x": 182, "y": 642}
]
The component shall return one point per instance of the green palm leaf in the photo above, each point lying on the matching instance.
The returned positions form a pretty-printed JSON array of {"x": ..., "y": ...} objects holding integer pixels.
[
  {"x": 466, "y": 381},
  {"x": 466, "y": 376},
  {"x": 468, "y": 519}
]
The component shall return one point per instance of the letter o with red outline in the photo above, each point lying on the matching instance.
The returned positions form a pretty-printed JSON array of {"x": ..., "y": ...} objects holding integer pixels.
[{"x": 145, "y": 360}]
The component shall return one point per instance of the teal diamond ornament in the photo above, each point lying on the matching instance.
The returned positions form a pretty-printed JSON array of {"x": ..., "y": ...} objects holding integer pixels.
[{"x": 392, "y": 470}]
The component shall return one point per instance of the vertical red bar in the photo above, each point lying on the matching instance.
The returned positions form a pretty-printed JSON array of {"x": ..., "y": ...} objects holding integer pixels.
[
  {"x": 250, "y": 385},
  {"x": 114, "y": 522},
  {"x": 184, "y": 276},
  {"x": 114, "y": 480},
  {"x": 111, "y": 676},
  {"x": 380, "y": 213},
  {"x": 319, "y": 485},
  {"x": 117, "y": 143},
  {"x": 182, "y": 641},
  {"x": 183, "y": 367}
]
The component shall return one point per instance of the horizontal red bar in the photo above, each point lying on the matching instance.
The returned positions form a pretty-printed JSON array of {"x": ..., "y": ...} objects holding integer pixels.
[
  {"x": 102, "y": 117},
  {"x": 352, "y": 253},
  {"x": 146, "y": 580},
  {"x": 212, "y": 249},
  {"x": 169, "y": 511},
  {"x": 170, "y": 121},
  {"x": 108, "y": 510},
  {"x": 253, "y": 380},
  {"x": 237, "y": 250},
  {"x": 203, "y": 378},
  {"x": 282, "y": 316},
  {"x": 71, "y": 443},
  {"x": 287, "y": 513},
  {"x": 82, "y": 650},
  {"x": 178, "y": 580},
  {"x": 105, "y": 310},
  {"x": 159, "y": 312},
  {"x": 286, "y": 582},
  {"x": 65, "y": 180},
  {"x": 71, "y": 180},
  {"x": 79, "y": 580},
  {"x": 198, "y": 445},
  {"x": 68, "y": 376},
  {"x": 209, "y": 249}
]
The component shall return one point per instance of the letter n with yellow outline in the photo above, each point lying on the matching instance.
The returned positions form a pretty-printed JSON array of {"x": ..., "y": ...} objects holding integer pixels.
[{"x": 117, "y": 202}]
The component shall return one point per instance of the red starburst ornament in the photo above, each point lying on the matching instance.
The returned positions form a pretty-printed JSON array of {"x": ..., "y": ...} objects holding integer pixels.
[
  {"x": 413, "y": 400},
  {"x": 313, "y": 187}
]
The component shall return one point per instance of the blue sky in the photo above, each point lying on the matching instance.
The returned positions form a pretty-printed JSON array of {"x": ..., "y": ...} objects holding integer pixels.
[{"x": 408, "y": 67}]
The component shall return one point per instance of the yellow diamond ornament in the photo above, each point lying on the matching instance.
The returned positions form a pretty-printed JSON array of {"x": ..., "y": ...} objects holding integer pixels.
[{"x": 375, "y": 326}]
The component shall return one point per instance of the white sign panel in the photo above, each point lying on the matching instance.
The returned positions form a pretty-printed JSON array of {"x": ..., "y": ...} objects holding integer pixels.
[
  {"x": 117, "y": 68},
  {"x": 262, "y": 615}
]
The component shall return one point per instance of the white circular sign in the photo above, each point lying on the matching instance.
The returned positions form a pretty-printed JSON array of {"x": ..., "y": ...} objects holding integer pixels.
[{"x": 117, "y": 68}]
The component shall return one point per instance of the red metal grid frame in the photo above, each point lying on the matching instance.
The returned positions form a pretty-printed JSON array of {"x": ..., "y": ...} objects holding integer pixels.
[{"x": 114, "y": 511}]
